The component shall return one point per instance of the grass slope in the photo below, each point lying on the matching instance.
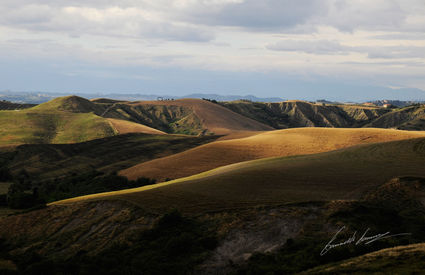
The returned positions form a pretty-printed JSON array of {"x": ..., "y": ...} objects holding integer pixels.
[
  {"x": 408, "y": 259},
  {"x": 338, "y": 175},
  {"x": 34, "y": 126},
  {"x": 269, "y": 144},
  {"x": 125, "y": 127}
]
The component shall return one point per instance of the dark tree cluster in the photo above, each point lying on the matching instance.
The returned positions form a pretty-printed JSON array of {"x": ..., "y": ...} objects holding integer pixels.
[{"x": 26, "y": 194}]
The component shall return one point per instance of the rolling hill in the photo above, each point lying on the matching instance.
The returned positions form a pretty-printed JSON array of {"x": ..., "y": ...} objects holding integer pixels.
[
  {"x": 337, "y": 175},
  {"x": 250, "y": 201},
  {"x": 74, "y": 119},
  {"x": 287, "y": 142}
]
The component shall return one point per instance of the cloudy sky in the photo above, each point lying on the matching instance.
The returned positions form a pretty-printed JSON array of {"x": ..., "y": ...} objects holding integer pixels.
[{"x": 306, "y": 49}]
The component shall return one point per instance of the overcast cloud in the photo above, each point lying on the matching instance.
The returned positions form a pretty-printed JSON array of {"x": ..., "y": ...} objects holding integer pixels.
[{"x": 378, "y": 42}]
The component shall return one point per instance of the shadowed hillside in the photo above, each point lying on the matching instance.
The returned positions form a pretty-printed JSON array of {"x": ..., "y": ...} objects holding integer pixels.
[
  {"x": 60, "y": 171},
  {"x": 269, "y": 144},
  {"x": 43, "y": 161},
  {"x": 408, "y": 118},
  {"x": 294, "y": 113},
  {"x": 112, "y": 236}
]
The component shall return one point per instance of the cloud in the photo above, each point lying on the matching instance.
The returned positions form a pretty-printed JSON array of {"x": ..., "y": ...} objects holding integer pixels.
[
  {"x": 350, "y": 15},
  {"x": 398, "y": 52},
  {"x": 311, "y": 47},
  {"x": 253, "y": 14},
  {"x": 328, "y": 47},
  {"x": 113, "y": 21},
  {"x": 381, "y": 38}
]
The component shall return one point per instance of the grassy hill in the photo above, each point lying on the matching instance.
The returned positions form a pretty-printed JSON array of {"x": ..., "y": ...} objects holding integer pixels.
[
  {"x": 73, "y": 104},
  {"x": 287, "y": 142},
  {"x": 62, "y": 120},
  {"x": 34, "y": 126},
  {"x": 336, "y": 175}
]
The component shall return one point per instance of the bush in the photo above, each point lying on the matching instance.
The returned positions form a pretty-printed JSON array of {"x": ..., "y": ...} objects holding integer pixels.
[
  {"x": 3, "y": 200},
  {"x": 5, "y": 174},
  {"x": 21, "y": 200}
]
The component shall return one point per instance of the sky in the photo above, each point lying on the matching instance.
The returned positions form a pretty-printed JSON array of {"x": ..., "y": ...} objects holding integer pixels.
[{"x": 305, "y": 49}]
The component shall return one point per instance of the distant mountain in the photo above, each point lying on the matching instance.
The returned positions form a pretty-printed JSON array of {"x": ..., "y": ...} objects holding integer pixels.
[
  {"x": 40, "y": 97},
  {"x": 27, "y": 97},
  {"x": 397, "y": 103},
  {"x": 234, "y": 97},
  {"x": 7, "y": 105}
]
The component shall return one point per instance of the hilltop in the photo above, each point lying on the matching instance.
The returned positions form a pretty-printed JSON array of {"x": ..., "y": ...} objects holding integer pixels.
[
  {"x": 288, "y": 142},
  {"x": 73, "y": 104}
]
